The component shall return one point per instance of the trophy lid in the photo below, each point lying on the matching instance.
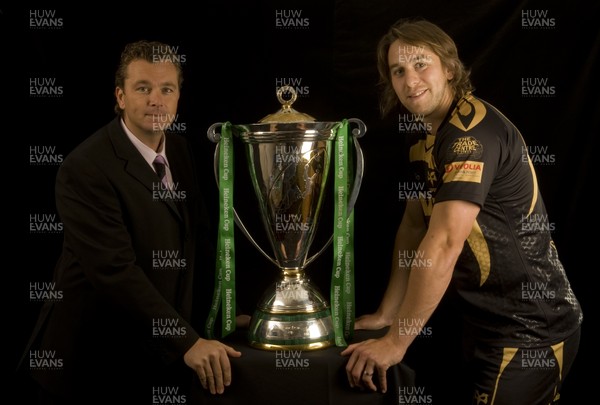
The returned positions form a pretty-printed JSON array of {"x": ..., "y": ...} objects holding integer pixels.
[
  {"x": 287, "y": 113},
  {"x": 287, "y": 124}
]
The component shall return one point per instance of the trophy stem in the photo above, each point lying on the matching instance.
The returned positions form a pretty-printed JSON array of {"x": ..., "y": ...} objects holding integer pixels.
[{"x": 292, "y": 273}]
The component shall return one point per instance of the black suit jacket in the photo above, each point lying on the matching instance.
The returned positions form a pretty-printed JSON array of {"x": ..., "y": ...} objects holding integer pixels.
[{"x": 126, "y": 271}]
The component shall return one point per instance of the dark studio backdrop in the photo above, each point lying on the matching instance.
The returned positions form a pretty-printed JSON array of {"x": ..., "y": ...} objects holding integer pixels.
[{"x": 236, "y": 53}]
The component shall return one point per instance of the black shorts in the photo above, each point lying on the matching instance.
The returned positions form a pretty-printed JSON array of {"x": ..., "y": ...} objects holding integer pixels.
[{"x": 525, "y": 376}]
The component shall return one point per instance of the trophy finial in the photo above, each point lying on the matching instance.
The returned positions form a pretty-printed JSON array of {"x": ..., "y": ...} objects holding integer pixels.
[
  {"x": 286, "y": 104},
  {"x": 287, "y": 113}
]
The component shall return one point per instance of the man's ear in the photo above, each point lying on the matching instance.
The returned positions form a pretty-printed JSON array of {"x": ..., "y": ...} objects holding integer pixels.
[{"x": 119, "y": 93}]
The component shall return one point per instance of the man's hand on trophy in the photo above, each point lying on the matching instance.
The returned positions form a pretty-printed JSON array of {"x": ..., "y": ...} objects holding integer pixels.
[{"x": 210, "y": 360}]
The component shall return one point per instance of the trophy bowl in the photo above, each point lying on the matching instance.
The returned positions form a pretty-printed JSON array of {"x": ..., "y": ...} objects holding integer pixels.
[{"x": 289, "y": 155}]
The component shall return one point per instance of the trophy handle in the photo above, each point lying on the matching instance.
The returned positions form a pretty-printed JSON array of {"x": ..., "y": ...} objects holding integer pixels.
[
  {"x": 215, "y": 137},
  {"x": 357, "y": 132}
]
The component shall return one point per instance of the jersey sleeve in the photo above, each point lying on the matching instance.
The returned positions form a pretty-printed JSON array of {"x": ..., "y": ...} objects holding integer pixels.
[{"x": 468, "y": 154}]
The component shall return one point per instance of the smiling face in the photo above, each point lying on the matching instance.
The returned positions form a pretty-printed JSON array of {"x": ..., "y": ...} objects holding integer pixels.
[
  {"x": 149, "y": 97},
  {"x": 420, "y": 81}
]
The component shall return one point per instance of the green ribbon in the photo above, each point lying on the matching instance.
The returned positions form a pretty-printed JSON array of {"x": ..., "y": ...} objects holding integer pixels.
[
  {"x": 224, "y": 291},
  {"x": 342, "y": 275}
]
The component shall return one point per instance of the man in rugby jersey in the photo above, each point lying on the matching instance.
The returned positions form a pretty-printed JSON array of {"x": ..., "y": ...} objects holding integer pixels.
[{"x": 484, "y": 233}]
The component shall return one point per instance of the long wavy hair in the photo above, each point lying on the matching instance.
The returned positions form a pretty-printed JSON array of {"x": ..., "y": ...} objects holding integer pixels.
[{"x": 419, "y": 32}]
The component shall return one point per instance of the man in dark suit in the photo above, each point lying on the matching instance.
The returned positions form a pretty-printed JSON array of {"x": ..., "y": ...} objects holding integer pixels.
[{"x": 134, "y": 224}]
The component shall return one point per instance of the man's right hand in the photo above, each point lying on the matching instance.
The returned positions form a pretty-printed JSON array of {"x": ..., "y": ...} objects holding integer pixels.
[{"x": 210, "y": 360}]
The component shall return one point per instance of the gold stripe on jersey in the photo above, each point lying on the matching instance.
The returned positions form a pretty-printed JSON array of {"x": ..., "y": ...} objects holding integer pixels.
[
  {"x": 509, "y": 354},
  {"x": 422, "y": 151},
  {"x": 427, "y": 205},
  {"x": 535, "y": 186},
  {"x": 534, "y": 197},
  {"x": 558, "y": 350},
  {"x": 480, "y": 249},
  {"x": 469, "y": 112}
]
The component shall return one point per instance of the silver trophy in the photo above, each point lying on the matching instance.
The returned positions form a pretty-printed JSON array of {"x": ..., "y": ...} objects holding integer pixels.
[{"x": 289, "y": 155}]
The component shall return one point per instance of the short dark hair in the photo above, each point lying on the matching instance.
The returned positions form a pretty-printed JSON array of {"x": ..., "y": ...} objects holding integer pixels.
[
  {"x": 420, "y": 32},
  {"x": 150, "y": 51}
]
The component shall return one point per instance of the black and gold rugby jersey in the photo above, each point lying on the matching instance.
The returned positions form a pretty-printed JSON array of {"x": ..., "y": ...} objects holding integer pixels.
[{"x": 509, "y": 275}]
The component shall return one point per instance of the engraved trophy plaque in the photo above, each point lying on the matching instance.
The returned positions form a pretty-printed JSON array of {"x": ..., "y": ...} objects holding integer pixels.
[{"x": 289, "y": 155}]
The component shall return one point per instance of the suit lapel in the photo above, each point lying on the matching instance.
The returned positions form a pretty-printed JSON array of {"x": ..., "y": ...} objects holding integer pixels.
[{"x": 135, "y": 164}]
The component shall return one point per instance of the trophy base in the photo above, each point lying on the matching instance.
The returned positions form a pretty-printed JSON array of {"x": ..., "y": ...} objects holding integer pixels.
[
  {"x": 309, "y": 331},
  {"x": 292, "y": 315}
]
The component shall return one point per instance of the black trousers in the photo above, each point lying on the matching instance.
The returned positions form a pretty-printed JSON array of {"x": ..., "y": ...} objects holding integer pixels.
[{"x": 527, "y": 376}]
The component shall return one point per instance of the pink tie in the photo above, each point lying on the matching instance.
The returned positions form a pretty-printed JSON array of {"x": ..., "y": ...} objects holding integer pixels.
[{"x": 159, "y": 165}]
